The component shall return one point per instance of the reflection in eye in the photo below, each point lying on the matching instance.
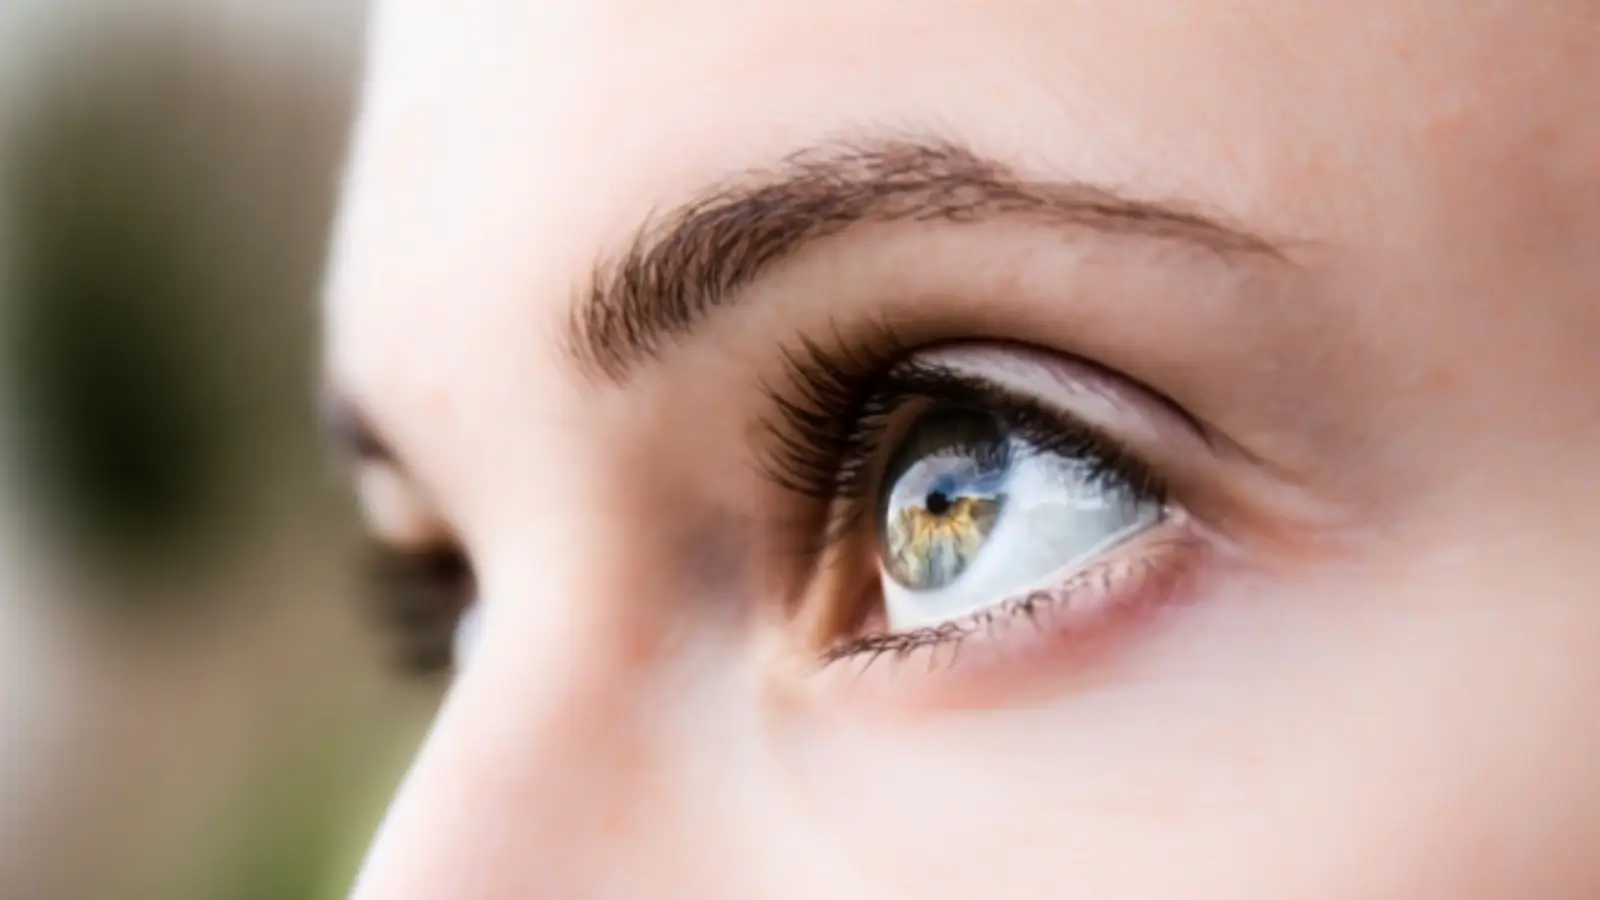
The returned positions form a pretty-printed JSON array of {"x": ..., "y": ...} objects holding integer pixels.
[
  {"x": 948, "y": 481},
  {"x": 977, "y": 515}
]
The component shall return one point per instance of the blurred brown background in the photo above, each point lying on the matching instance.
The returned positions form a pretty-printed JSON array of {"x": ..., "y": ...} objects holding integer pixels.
[{"x": 192, "y": 704}]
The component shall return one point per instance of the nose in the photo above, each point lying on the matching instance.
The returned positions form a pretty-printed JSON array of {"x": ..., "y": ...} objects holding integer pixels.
[
  {"x": 542, "y": 765},
  {"x": 588, "y": 749},
  {"x": 522, "y": 781}
]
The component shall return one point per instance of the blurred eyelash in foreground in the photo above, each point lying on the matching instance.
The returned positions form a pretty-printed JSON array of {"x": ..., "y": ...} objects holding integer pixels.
[{"x": 418, "y": 598}]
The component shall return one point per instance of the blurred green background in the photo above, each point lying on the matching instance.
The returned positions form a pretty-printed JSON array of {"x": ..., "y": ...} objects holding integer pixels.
[{"x": 194, "y": 703}]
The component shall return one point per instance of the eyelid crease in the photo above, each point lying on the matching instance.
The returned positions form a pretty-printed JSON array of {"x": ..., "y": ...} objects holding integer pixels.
[
  {"x": 1034, "y": 371},
  {"x": 349, "y": 429}
]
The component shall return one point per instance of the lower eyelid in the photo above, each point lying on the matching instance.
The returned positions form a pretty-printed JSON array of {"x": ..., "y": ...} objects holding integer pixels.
[{"x": 1039, "y": 644}]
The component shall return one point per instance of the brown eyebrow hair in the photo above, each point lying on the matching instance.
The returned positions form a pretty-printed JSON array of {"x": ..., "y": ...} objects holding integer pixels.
[
  {"x": 348, "y": 430},
  {"x": 682, "y": 266}
]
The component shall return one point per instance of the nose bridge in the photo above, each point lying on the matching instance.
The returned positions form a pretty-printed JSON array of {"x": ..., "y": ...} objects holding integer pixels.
[
  {"x": 540, "y": 754},
  {"x": 531, "y": 776}
]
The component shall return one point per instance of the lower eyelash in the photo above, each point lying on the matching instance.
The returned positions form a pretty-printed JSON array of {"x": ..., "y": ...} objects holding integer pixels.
[{"x": 1115, "y": 587}]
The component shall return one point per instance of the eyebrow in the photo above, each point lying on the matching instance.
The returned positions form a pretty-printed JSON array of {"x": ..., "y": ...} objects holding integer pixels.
[
  {"x": 691, "y": 262},
  {"x": 350, "y": 433}
]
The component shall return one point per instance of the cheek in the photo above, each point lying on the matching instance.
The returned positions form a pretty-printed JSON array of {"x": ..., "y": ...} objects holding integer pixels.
[
  {"x": 1332, "y": 738},
  {"x": 1453, "y": 755}
]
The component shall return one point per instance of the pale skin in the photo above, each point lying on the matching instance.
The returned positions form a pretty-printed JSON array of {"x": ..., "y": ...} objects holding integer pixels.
[{"x": 1378, "y": 676}]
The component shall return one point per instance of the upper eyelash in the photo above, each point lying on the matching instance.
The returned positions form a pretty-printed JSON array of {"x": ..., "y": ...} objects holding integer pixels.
[
  {"x": 833, "y": 420},
  {"x": 418, "y": 597},
  {"x": 822, "y": 411}
]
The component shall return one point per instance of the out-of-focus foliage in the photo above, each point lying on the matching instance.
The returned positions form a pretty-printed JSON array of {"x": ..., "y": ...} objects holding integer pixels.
[
  {"x": 169, "y": 201},
  {"x": 219, "y": 727}
]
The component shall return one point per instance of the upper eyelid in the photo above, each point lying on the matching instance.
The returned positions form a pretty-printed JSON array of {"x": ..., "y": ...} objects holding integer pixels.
[
  {"x": 367, "y": 455},
  {"x": 1010, "y": 365},
  {"x": 936, "y": 381},
  {"x": 1028, "y": 369},
  {"x": 395, "y": 511}
]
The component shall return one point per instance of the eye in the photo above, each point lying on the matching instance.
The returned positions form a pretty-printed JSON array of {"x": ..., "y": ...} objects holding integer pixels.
[
  {"x": 420, "y": 584},
  {"x": 971, "y": 486},
  {"x": 975, "y": 514}
]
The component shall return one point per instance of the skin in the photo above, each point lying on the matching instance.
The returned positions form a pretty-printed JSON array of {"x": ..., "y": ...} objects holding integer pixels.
[{"x": 1384, "y": 678}]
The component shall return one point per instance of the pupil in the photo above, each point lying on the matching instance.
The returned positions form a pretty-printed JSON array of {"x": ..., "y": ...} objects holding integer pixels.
[{"x": 946, "y": 485}]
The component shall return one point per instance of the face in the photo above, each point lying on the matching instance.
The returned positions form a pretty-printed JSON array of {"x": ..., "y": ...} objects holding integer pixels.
[{"x": 961, "y": 449}]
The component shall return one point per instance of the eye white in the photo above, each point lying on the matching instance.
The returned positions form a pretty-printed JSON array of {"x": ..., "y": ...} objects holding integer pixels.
[
  {"x": 467, "y": 633},
  {"x": 1059, "y": 514}
]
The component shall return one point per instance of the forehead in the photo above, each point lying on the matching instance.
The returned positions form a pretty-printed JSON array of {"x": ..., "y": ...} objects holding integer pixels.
[{"x": 504, "y": 146}]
